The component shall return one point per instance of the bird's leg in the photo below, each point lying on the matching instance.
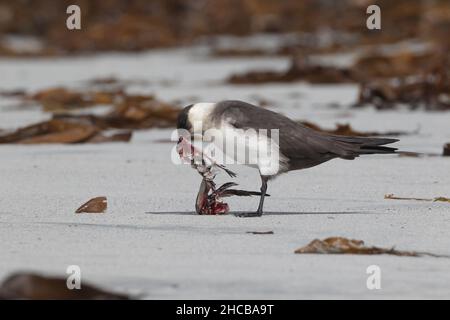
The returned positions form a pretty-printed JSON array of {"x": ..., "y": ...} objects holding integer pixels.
[
  {"x": 263, "y": 194},
  {"x": 258, "y": 212}
]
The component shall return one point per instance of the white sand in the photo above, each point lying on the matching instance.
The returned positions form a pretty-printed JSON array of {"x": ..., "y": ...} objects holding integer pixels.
[{"x": 151, "y": 242}]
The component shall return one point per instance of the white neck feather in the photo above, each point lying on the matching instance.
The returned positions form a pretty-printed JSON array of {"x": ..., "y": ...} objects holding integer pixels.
[{"x": 200, "y": 112}]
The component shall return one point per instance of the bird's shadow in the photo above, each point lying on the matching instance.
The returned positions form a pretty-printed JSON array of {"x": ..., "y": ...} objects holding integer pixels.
[{"x": 271, "y": 213}]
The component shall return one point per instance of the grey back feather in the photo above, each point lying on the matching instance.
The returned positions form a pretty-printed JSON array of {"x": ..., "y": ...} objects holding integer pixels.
[{"x": 303, "y": 146}]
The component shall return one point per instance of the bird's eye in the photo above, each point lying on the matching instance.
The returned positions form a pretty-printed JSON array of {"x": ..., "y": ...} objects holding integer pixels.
[{"x": 180, "y": 139}]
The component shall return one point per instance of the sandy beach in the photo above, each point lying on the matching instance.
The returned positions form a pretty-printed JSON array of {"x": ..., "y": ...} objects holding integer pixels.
[{"x": 151, "y": 243}]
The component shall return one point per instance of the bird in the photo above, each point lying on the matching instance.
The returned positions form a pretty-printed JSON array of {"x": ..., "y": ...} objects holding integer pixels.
[{"x": 296, "y": 146}]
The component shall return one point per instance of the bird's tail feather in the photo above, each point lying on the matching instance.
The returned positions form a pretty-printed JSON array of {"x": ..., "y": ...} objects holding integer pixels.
[{"x": 352, "y": 147}]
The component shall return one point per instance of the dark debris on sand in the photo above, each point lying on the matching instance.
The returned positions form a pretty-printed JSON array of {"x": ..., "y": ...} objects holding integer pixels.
[
  {"x": 33, "y": 286},
  {"x": 340, "y": 245},
  {"x": 127, "y": 112}
]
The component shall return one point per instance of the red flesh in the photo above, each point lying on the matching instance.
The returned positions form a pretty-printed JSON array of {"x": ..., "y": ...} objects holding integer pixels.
[
  {"x": 211, "y": 206},
  {"x": 204, "y": 205}
]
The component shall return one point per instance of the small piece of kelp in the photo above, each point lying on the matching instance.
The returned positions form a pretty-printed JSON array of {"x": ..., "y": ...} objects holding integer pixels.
[
  {"x": 52, "y": 131},
  {"x": 32, "y": 286},
  {"x": 260, "y": 232},
  {"x": 95, "y": 205},
  {"x": 437, "y": 199},
  {"x": 417, "y": 154},
  {"x": 441, "y": 199},
  {"x": 446, "y": 151},
  {"x": 340, "y": 245},
  {"x": 63, "y": 131}
]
